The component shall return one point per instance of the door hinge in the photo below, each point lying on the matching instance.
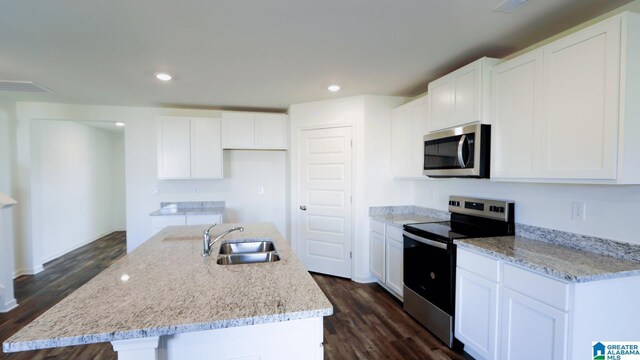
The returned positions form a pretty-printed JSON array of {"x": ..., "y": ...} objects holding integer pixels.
[
  {"x": 351, "y": 142},
  {"x": 350, "y": 199},
  {"x": 350, "y": 255}
]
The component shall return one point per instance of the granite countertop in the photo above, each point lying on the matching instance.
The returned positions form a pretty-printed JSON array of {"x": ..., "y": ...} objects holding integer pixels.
[
  {"x": 398, "y": 216},
  {"x": 166, "y": 287},
  {"x": 558, "y": 261},
  {"x": 189, "y": 208}
]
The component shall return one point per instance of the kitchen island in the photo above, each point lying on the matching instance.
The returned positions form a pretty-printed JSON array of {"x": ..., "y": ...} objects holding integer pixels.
[{"x": 165, "y": 301}]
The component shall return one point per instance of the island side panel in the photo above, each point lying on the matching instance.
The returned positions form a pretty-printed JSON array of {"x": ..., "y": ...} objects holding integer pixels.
[{"x": 295, "y": 339}]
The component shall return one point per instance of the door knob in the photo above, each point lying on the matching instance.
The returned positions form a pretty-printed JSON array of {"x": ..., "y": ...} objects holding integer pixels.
[{"x": 303, "y": 208}]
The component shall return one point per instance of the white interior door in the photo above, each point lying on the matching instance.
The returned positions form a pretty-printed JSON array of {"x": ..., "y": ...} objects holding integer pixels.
[{"x": 324, "y": 194}]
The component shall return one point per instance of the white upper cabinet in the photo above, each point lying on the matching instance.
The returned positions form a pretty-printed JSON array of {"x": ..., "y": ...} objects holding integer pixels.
[
  {"x": 461, "y": 97},
  {"x": 567, "y": 112},
  {"x": 271, "y": 131},
  {"x": 581, "y": 97},
  {"x": 238, "y": 131},
  {"x": 409, "y": 124},
  {"x": 189, "y": 148},
  {"x": 242, "y": 130},
  {"x": 517, "y": 115}
]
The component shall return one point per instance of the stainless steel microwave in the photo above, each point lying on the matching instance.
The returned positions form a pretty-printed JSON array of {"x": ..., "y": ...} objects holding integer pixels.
[{"x": 458, "y": 152}]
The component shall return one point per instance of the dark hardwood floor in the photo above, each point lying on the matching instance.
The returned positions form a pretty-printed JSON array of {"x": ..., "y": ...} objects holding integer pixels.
[
  {"x": 36, "y": 294},
  {"x": 368, "y": 323}
]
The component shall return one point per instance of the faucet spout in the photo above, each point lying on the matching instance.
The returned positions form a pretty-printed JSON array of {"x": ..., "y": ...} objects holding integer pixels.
[{"x": 207, "y": 242}]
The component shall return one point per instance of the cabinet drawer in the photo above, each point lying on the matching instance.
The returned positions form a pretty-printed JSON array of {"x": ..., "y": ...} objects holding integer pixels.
[
  {"x": 394, "y": 233},
  {"x": 376, "y": 226},
  {"x": 480, "y": 265},
  {"x": 544, "y": 289}
]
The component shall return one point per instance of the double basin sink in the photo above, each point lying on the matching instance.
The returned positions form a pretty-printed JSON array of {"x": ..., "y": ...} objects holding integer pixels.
[{"x": 248, "y": 252}]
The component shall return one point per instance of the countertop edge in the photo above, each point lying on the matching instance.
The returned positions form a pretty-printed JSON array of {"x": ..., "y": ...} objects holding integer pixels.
[
  {"x": 204, "y": 211},
  {"x": 546, "y": 270},
  {"x": 169, "y": 330}
]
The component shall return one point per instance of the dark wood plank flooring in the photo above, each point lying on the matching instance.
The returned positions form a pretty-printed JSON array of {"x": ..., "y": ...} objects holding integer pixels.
[
  {"x": 368, "y": 323},
  {"x": 37, "y": 293}
]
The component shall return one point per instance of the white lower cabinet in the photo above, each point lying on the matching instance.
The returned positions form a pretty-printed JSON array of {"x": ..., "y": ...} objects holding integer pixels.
[
  {"x": 160, "y": 222},
  {"x": 504, "y": 311},
  {"x": 477, "y": 314},
  {"x": 394, "y": 255},
  {"x": 376, "y": 257},
  {"x": 531, "y": 329},
  {"x": 385, "y": 256}
]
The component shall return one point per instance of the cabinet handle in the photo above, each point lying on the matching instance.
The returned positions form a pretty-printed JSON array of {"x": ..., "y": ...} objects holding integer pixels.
[{"x": 303, "y": 208}]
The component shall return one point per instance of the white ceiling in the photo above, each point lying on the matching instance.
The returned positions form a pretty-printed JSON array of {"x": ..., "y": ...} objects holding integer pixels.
[{"x": 259, "y": 54}]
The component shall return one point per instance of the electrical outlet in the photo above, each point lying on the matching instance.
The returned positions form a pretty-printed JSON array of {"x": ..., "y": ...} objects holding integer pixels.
[
  {"x": 260, "y": 190},
  {"x": 578, "y": 209}
]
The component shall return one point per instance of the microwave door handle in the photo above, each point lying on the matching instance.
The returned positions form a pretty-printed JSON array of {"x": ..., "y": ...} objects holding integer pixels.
[{"x": 460, "y": 157}]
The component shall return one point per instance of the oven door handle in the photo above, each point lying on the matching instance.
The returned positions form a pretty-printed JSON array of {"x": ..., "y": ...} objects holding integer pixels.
[
  {"x": 461, "y": 143},
  {"x": 426, "y": 241}
]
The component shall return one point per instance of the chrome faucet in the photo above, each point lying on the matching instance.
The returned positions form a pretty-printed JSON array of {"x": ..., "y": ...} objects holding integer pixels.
[{"x": 206, "y": 238}]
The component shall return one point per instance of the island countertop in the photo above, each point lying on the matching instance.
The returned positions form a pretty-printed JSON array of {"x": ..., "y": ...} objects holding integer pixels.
[{"x": 166, "y": 287}]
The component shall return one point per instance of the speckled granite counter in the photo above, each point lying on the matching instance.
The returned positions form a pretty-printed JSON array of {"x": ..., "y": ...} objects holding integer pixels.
[
  {"x": 189, "y": 208},
  {"x": 400, "y": 215},
  {"x": 552, "y": 259},
  {"x": 166, "y": 287}
]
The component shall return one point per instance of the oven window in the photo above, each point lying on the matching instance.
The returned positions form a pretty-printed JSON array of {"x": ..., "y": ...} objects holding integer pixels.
[
  {"x": 428, "y": 271},
  {"x": 446, "y": 153}
]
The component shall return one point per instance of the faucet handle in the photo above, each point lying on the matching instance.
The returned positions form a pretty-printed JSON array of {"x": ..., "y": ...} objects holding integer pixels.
[{"x": 206, "y": 232}]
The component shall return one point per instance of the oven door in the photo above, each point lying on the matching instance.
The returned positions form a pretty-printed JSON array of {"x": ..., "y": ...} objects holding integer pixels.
[
  {"x": 456, "y": 152},
  {"x": 428, "y": 270}
]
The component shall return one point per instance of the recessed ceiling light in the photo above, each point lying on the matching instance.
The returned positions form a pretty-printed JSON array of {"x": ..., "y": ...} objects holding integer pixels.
[
  {"x": 163, "y": 76},
  {"x": 333, "y": 88},
  {"x": 120, "y": 123}
]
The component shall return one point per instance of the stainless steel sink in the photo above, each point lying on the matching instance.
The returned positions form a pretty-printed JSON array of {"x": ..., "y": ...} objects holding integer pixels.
[
  {"x": 247, "y": 252},
  {"x": 246, "y": 247},
  {"x": 248, "y": 258}
]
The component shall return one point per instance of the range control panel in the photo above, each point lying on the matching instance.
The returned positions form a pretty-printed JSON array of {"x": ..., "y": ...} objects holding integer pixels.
[{"x": 489, "y": 208}]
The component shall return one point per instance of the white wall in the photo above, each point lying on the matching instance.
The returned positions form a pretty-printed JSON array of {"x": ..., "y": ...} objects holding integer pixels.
[
  {"x": 7, "y": 147},
  {"x": 611, "y": 210},
  {"x": 370, "y": 117},
  {"x": 72, "y": 177},
  {"x": 144, "y": 192},
  {"x": 118, "y": 183}
]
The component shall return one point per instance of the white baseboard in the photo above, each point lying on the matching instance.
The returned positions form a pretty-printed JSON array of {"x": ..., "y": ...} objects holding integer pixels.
[
  {"x": 364, "y": 280},
  {"x": 76, "y": 246},
  {"x": 8, "y": 306},
  {"x": 24, "y": 271}
]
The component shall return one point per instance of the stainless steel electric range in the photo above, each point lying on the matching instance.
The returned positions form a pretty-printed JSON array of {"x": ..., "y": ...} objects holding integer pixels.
[{"x": 430, "y": 258}]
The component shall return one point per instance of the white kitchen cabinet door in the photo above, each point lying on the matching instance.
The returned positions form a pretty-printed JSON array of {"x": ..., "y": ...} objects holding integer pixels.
[
  {"x": 271, "y": 131},
  {"x": 467, "y": 93},
  {"x": 376, "y": 255},
  {"x": 530, "y": 329},
  {"x": 476, "y": 322},
  {"x": 581, "y": 99},
  {"x": 401, "y": 135},
  {"x": 409, "y": 125},
  {"x": 462, "y": 96},
  {"x": 238, "y": 131},
  {"x": 394, "y": 261},
  {"x": 517, "y": 117},
  {"x": 174, "y": 150},
  {"x": 442, "y": 98},
  {"x": 206, "y": 149},
  {"x": 420, "y": 122}
]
